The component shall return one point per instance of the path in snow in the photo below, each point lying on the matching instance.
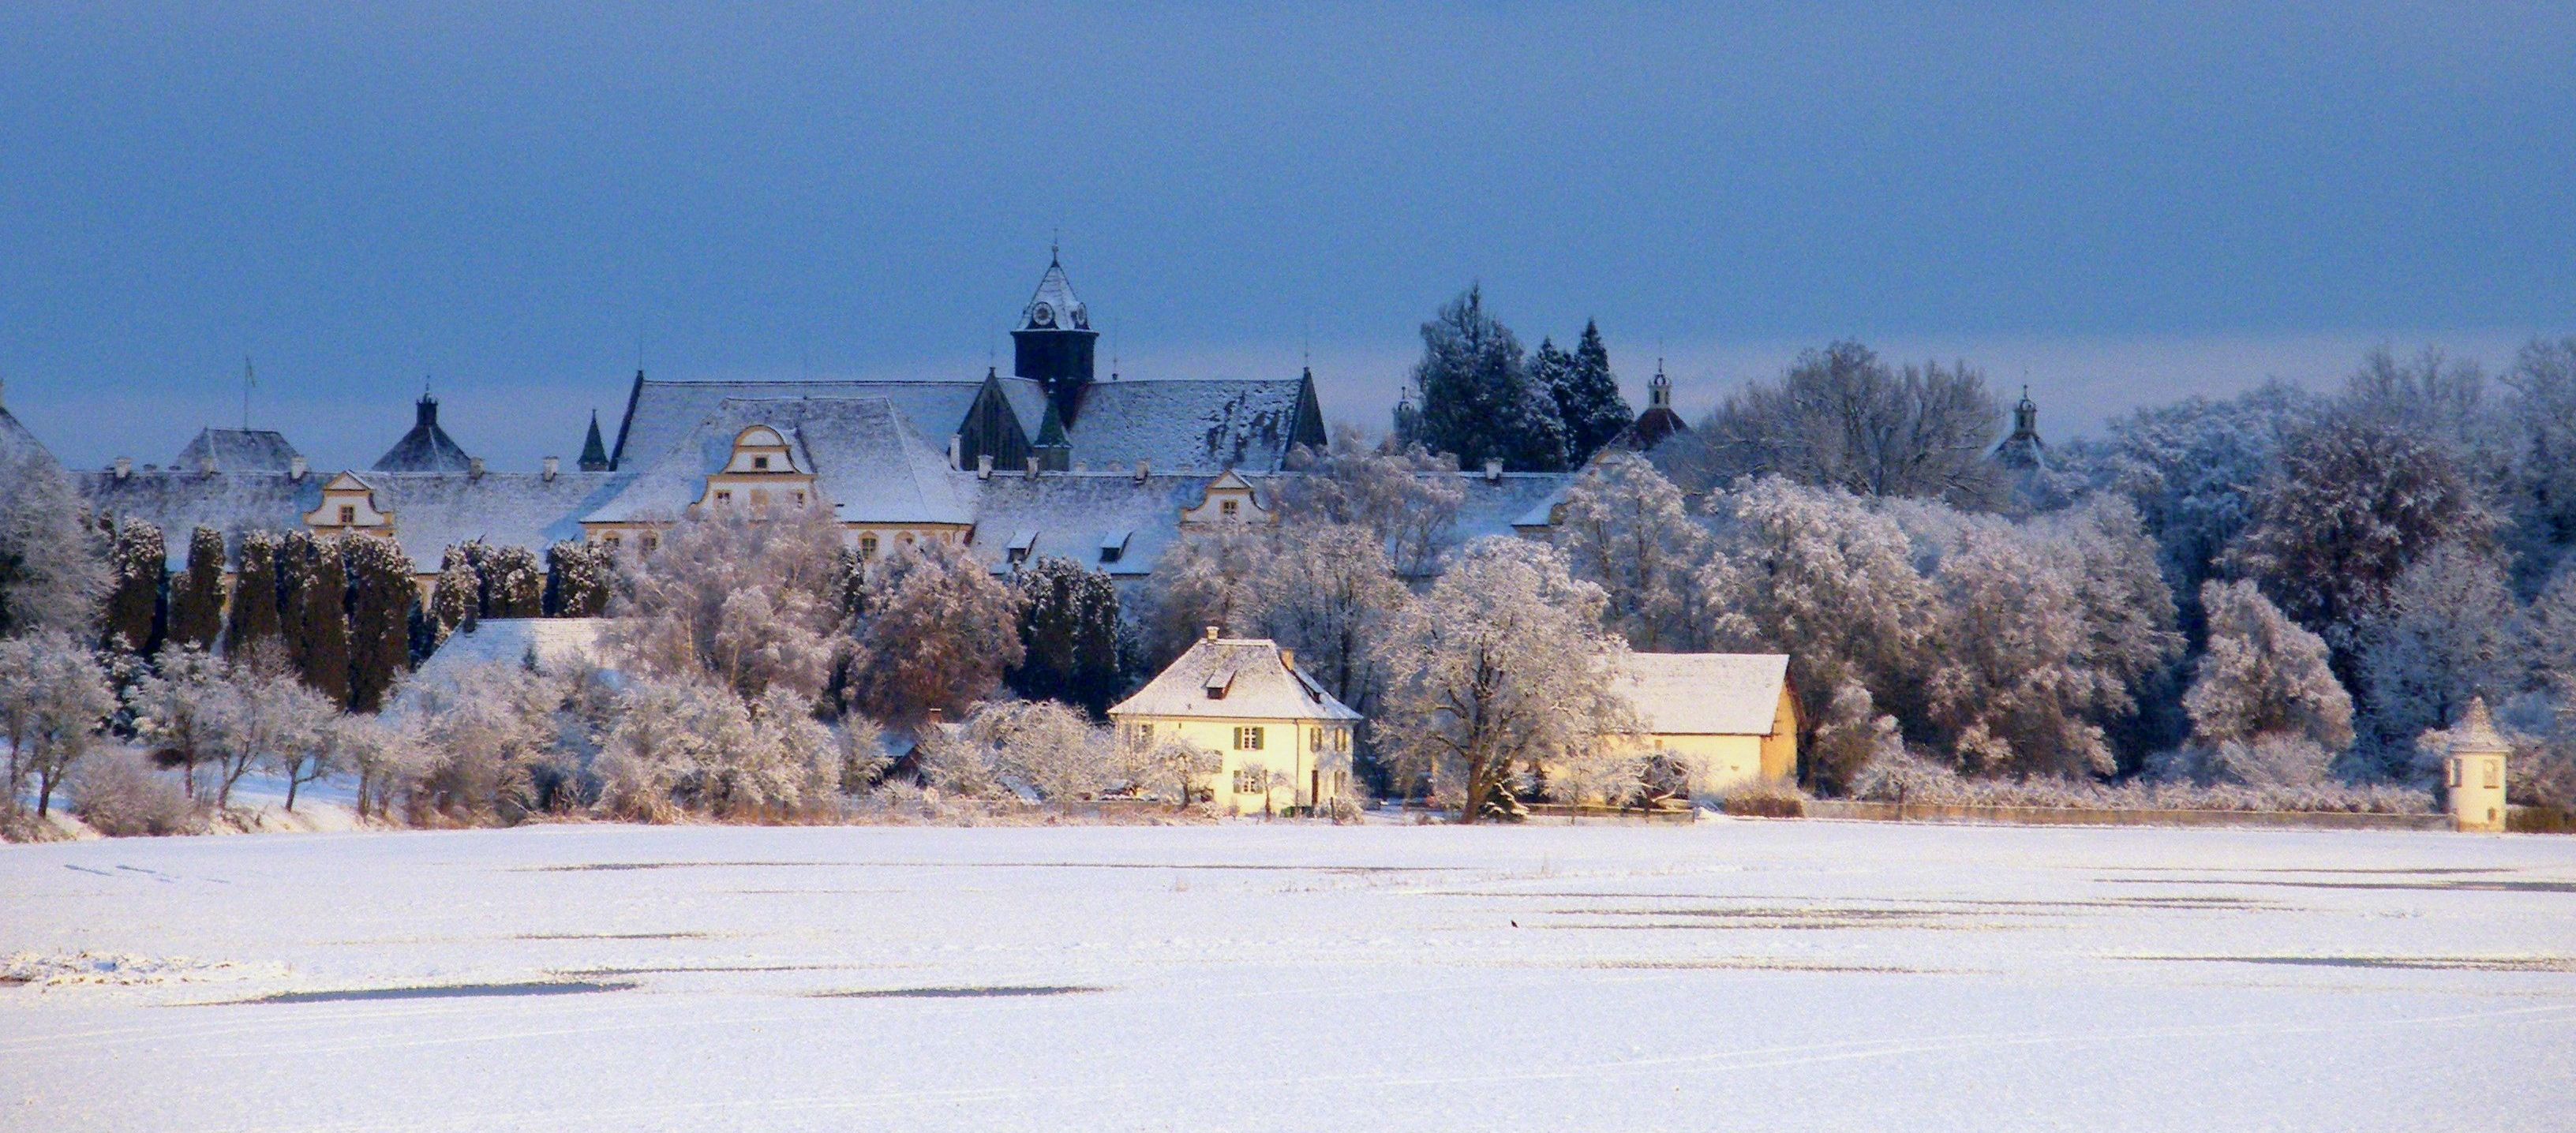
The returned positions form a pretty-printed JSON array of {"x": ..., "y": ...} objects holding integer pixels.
[{"x": 1728, "y": 975}]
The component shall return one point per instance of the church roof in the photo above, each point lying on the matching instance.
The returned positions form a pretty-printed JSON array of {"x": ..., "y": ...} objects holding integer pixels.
[
  {"x": 1234, "y": 678},
  {"x": 661, "y": 413},
  {"x": 426, "y": 448},
  {"x": 1201, "y": 425},
  {"x": 594, "y": 455},
  {"x": 1054, "y": 307},
  {"x": 2023, "y": 449},
  {"x": 868, "y": 460},
  {"x": 1073, "y": 515},
  {"x": 238, "y": 450}
]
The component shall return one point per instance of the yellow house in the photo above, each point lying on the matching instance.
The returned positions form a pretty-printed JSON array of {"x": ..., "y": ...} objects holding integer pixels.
[
  {"x": 1728, "y": 718},
  {"x": 1282, "y": 742}
]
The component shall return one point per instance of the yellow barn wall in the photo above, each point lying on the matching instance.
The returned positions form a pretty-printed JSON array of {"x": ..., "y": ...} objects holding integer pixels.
[{"x": 1283, "y": 751}]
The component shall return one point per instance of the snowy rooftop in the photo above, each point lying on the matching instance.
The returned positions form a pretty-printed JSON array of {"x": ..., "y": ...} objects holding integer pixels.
[
  {"x": 664, "y": 413},
  {"x": 870, "y": 463},
  {"x": 1074, "y": 515},
  {"x": 1191, "y": 425},
  {"x": 19, "y": 445},
  {"x": 1234, "y": 678},
  {"x": 180, "y": 502},
  {"x": 238, "y": 450},
  {"x": 1705, "y": 694},
  {"x": 548, "y": 642},
  {"x": 426, "y": 448},
  {"x": 431, "y": 510}
]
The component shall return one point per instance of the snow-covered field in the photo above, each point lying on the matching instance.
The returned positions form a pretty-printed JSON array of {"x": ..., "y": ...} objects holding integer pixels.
[{"x": 1755, "y": 975}]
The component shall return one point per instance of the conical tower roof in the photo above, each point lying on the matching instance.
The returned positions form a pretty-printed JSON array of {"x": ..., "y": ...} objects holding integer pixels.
[
  {"x": 1054, "y": 306},
  {"x": 594, "y": 455},
  {"x": 426, "y": 448}
]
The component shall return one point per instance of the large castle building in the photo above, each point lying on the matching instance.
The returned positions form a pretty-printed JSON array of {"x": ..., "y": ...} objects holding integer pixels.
[{"x": 1050, "y": 460}]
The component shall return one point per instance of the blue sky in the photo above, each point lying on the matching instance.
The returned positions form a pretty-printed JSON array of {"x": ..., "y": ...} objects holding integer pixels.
[{"x": 2123, "y": 204}]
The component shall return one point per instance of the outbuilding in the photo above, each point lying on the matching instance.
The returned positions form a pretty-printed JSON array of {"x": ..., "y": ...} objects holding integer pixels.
[{"x": 1729, "y": 719}]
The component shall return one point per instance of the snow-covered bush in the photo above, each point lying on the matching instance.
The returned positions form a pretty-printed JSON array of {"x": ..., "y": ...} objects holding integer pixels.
[
  {"x": 1046, "y": 746},
  {"x": 490, "y": 730},
  {"x": 118, "y": 794},
  {"x": 53, "y": 566},
  {"x": 1406, "y": 495},
  {"x": 2264, "y": 704},
  {"x": 53, "y": 703},
  {"x": 1913, "y": 779},
  {"x": 750, "y": 600},
  {"x": 936, "y": 631}
]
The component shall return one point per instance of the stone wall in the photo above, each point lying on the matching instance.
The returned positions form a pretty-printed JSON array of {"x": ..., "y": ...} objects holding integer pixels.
[{"x": 2079, "y": 816}]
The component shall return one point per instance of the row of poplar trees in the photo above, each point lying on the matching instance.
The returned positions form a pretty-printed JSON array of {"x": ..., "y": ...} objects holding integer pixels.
[{"x": 343, "y": 613}]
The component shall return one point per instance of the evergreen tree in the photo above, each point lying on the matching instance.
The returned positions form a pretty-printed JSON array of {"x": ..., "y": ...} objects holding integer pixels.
[
  {"x": 452, "y": 604},
  {"x": 256, "y": 618},
  {"x": 1478, "y": 399},
  {"x": 295, "y": 555},
  {"x": 1589, "y": 399},
  {"x": 197, "y": 596},
  {"x": 382, "y": 595},
  {"x": 318, "y": 612},
  {"x": 138, "y": 567},
  {"x": 1069, "y": 636},
  {"x": 513, "y": 584},
  {"x": 577, "y": 576}
]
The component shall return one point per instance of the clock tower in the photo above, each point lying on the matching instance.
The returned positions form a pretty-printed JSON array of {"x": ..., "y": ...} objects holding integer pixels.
[{"x": 1054, "y": 342}]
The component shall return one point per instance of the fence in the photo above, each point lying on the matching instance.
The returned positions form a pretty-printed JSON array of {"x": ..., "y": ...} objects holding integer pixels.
[{"x": 2080, "y": 816}]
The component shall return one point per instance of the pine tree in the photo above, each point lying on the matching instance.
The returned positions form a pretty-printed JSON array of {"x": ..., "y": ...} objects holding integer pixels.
[
  {"x": 256, "y": 617},
  {"x": 453, "y": 604},
  {"x": 577, "y": 575},
  {"x": 316, "y": 603},
  {"x": 197, "y": 596},
  {"x": 1478, "y": 399},
  {"x": 138, "y": 568},
  {"x": 382, "y": 595},
  {"x": 1069, "y": 635},
  {"x": 1589, "y": 401}
]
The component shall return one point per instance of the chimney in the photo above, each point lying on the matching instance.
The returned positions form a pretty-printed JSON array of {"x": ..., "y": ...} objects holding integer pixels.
[
  {"x": 1211, "y": 633},
  {"x": 957, "y": 451},
  {"x": 124, "y": 467},
  {"x": 296, "y": 468},
  {"x": 206, "y": 465},
  {"x": 1142, "y": 470},
  {"x": 1033, "y": 468},
  {"x": 1288, "y": 659},
  {"x": 933, "y": 718},
  {"x": 473, "y": 464},
  {"x": 1493, "y": 471},
  {"x": 553, "y": 465},
  {"x": 984, "y": 467}
]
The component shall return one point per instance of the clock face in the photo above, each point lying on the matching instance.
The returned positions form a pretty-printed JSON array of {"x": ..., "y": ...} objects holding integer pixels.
[{"x": 1041, "y": 316}]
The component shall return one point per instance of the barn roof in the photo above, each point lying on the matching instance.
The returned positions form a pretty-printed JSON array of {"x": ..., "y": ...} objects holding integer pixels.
[
  {"x": 1705, "y": 694},
  {"x": 1235, "y": 678}
]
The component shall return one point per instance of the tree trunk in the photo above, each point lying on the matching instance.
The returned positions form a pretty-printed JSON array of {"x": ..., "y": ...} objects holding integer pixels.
[{"x": 291, "y": 784}]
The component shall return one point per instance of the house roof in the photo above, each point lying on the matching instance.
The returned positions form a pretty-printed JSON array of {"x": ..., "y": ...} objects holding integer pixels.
[
  {"x": 1188, "y": 425},
  {"x": 1705, "y": 694},
  {"x": 552, "y": 642},
  {"x": 1254, "y": 676},
  {"x": 1072, "y": 515},
  {"x": 665, "y": 412},
  {"x": 431, "y": 510},
  {"x": 18, "y": 445},
  {"x": 179, "y": 502},
  {"x": 426, "y": 448},
  {"x": 869, "y": 461},
  {"x": 238, "y": 450}
]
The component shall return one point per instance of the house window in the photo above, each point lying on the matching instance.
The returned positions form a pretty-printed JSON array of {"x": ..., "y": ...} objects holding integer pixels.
[
  {"x": 868, "y": 545},
  {"x": 760, "y": 464},
  {"x": 652, "y": 542},
  {"x": 1247, "y": 739},
  {"x": 2494, "y": 776},
  {"x": 1314, "y": 739},
  {"x": 1228, "y": 508},
  {"x": 348, "y": 514},
  {"x": 1110, "y": 554},
  {"x": 612, "y": 540},
  {"x": 1019, "y": 555},
  {"x": 1143, "y": 734},
  {"x": 2455, "y": 771},
  {"x": 1252, "y": 781},
  {"x": 800, "y": 499},
  {"x": 724, "y": 497},
  {"x": 905, "y": 539}
]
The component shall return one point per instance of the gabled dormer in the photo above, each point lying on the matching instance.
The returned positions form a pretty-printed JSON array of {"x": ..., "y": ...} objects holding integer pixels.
[
  {"x": 1230, "y": 499},
  {"x": 349, "y": 504},
  {"x": 761, "y": 470}
]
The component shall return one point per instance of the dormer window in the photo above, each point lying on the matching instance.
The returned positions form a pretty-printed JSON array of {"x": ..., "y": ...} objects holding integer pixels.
[
  {"x": 348, "y": 514},
  {"x": 760, "y": 464},
  {"x": 724, "y": 497},
  {"x": 1229, "y": 508}
]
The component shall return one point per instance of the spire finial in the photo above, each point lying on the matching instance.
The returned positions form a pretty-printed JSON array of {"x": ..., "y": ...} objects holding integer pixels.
[{"x": 1055, "y": 246}]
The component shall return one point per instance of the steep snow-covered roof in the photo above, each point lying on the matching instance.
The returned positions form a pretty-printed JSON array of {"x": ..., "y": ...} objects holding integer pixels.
[
  {"x": 426, "y": 448},
  {"x": 1502, "y": 505},
  {"x": 433, "y": 511},
  {"x": 237, "y": 450},
  {"x": 665, "y": 412},
  {"x": 19, "y": 446},
  {"x": 1064, "y": 312},
  {"x": 179, "y": 502},
  {"x": 552, "y": 642},
  {"x": 1705, "y": 694},
  {"x": 1189, "y": 425},
  {"x": 1234, "y": 678},
  {"x": 868, "y": 461},
  {"x": 1073, "y": 515}
]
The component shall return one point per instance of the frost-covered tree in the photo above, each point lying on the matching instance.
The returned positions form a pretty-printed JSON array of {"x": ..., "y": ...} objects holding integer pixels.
[
  {"x": 1327, "y": 592},
  {"x": 1479, "y": 401},
  {"x": 1052, "y": 749},
  {"x": 382, "y": 596},
  {"x": 1588, "y": 399},
  {"x": 1068, "y": 636},
  {"x": 514, "y": 585},
  {"x": 1407, "y": 494},
  {"x": 1626, "y": 530},
  {"x": 753, "y": 601},
  {"x": 197, "y": 594},
  {"x": 2191, "y": 469},
  {"x": 2549, "y": 627},
  {"x": 388, "y": 754},
  {"x": 256, "y": 618},
  {"x": 267, "y": 714},
  {"x": 2012, "y": 688},
  {"x": 311, "y": 752},
  {"x": 662, "y": 738},
  {"x": 938, "y": 632},
  {"x": 1210, "y": 576},
  {"x": 1820, "y": 576},
  {"x": 138, "y": 568},
  {"x": 1500, "y": 668},
  {"x": 2541, "y": 403},
  {"x": 2132, "y": 641},
  {"x": 2263, "y": 674},
  {"x": 2353, "y": 503},
  {"x": 53, "y": 703},
  {"x": 490, "y": 730},
  {"x": 2450, "y": 631},
  {"x": 177, "y": 709},
  {"x": 53, "y": 565},
  {"x": 1172, "y": 764},
  {"x": 452, "y": 603},
  {"x": 1842, "y": 418},
  {"x": 578, "y": 578}
]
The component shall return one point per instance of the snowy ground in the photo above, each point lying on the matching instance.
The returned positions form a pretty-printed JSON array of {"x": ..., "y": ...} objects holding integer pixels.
[{"x": 1747, "y": 975}]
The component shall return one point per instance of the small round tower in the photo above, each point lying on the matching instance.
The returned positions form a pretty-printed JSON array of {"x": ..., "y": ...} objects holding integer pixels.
[{"x": 2474, "y": 771}]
